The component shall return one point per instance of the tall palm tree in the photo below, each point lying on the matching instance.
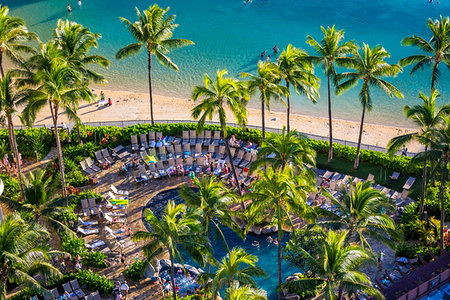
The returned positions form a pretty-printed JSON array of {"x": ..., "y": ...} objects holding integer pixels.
[
  {"x": 244, "y": 292},
  {"x": 364, "y": 212},
  {"x": 176, "y": 229},
  {"x": 9, "y": 97},
  {"x": 427, "y": 117},
  {"x": 437, "y": 49},
  {"x": 267, "y": 82},
  {"x": 275, "y": 195},
  {"x": 55, "y": 82},
  {"x": 281, "y": 150},
  {"x": 337, "y": 267},
  {"x": 297, "y": 71},
  {"x": 237, "y": 267},
  {"x": 212, "y": 201},
  {"x": 22, "y": 252},
  {"x": 331, "y": 50},
  {"x": 153, "y": 31},
  {"x": 38, "y": 199},
  {"x": 218, "y": 96},
  {"x": 369, "y": 68},
  {"x": 75, "y": 42},
  {"x": 13, "y": 34}
]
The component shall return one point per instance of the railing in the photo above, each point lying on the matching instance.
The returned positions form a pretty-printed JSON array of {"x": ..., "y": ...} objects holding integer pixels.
[{"x": 125, "y": 123}]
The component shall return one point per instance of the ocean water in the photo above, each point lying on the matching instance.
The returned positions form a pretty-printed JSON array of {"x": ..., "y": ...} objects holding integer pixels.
[{"x": 231, "y": 35}]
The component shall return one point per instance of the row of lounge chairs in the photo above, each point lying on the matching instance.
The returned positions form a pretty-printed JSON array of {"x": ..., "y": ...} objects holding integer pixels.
[{"x": 73, "y": 289}]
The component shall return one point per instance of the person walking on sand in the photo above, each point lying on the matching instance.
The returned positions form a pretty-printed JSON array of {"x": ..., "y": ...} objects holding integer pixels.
[
  {"x": 380, "y": 257},
  {"x": 124, "y": 289}
]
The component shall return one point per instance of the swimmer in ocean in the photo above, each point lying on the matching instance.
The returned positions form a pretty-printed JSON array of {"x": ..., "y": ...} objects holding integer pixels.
[
  {"x": 79, "y": 3},
  {"x": 263, "y": 54},
  {"x": 268, "y": 58},
  {"x": 247, "y": 2},
  {"x": 275, "y": 49},
  {"x": 68, "y": 8}
]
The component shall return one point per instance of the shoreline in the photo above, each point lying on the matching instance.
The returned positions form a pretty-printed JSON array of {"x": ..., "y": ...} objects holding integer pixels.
[{"x": 128, "y": 105}]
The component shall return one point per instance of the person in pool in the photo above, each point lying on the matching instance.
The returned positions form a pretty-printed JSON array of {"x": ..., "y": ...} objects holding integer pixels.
[
  {"x": 68, "y": 7},
  {"x": 255, "y": 244},
  {"x": 269, "y": 239}
]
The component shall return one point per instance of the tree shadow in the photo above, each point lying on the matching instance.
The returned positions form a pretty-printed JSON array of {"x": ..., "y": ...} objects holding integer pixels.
[
  {"x": 59, "y": 15},
  {"x": 250, "y": 65}
]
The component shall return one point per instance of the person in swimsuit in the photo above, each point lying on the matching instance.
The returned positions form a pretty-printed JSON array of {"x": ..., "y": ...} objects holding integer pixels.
[
  {"x": 68, "y": 7},
  {"x": 275, "y": 49}
]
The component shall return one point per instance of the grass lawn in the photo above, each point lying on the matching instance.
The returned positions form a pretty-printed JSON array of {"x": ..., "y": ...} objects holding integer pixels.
[{"x": 381, "y": 174}]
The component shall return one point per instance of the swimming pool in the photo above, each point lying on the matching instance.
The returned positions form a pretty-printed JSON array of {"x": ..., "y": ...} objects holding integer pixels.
[{"x": 266, "y": 252}]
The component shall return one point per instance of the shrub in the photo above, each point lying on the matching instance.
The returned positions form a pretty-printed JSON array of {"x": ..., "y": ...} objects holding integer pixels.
[
  {"x": 135, "y": 272},
  {"x": 407, "y": 250},
  {"x": 304, "y": 293},
  {"x": 11, "y": 187},
  {"x": 433, "y": 201},
  {"x": 76, "y": 199},
  {"x": 73, "y": 245},
  {"x": 95, "y": 259},
  {"x": 95, "y": 282}
]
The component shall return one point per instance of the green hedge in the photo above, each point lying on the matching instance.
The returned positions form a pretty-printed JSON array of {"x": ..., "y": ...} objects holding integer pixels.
[
  {"x": 95, "y": 282},
  {"x": 28, "y": 140},
  {"x": 11, "y": 187}
]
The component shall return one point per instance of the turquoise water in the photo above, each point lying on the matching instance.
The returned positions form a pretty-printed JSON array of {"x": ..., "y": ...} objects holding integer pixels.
[
  {"x": 229, "y": 34},
  {"x": 266, "y": 252}
]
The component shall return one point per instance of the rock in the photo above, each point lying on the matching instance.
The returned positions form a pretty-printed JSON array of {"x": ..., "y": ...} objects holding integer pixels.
[
  {"x": 200, "y": 270},
  {"x": 157, "y": 265},
  {"x": 165, "y": 264},
  {"x": 266, "y": 230},
  {"x": 149, "y": 271},
  {"x": 192, "y": 270},
  {"x": 275, "y": 228},
  {"x": 177, "y": 266},
  {"x": 255, "y": 229}
]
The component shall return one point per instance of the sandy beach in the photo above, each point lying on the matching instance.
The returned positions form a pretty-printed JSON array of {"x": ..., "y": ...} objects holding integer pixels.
[{"x": 135, "y": 106}]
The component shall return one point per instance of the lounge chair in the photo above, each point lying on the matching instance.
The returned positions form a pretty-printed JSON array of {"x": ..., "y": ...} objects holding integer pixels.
[
  {"x": 85, "y": 207},
  {"x": 170, "y": 140},
  {"x": 185, "y": 138},
  {"x": 106, "y": 156},
  {"x": 356, "y": 180},
  {"x": 55, "y": 293},
  {"x": 76, "y": 288},
  {"x": 178, "y": 151},
  {"x": 232, "y": 152},
  {"x": 134, "y": 143},
  {"x": 93, "y": 206},
  {"x": 189, "y": 164},
  {"x": 119, "y": 192},
  {"x": 114, "y": 197},
  {"x": 91, "y": 165},
  {"x": 395, "y": 176},
  {"x": 221, "y": 154},
  {"x": 328, "y": 175},
  {"x": 404, "y": 194},
  {"x": 198, "y": 150},
  {"x": 160, "y": 167},
  {"x": 162, "y": 153},
  {"x": 176, "y": 141},
  {"x": 200, "y": 137},
  {"x": 246, "y": 160},
  {"x": 170, "y": 151},
  {"x": 159, "y": 135},
  {"x": 336, "y": 177},
  {"x": 154, "y": 170},
  {"x": 200, "y": 163},
  {"x": 152, "y": 154},
  {"x": 88, "y": 231},
  {"x": 207, "y": 138},
  {"x": 216, "y": 139},
  {"x": 100, "y": 159},
  {"x": 144, "y": 157},
  {"x": 187, "y": 150},
  {"x": 85, "y": 168},
  {"x": 93, "y": 296},
  {"x": 193, "y": 137},
  {"x": 114, "y": 219},
  {"x": 68, "y": 288},
  {"x": 95, "y": 245},
  {"x": 110, "y": 232},
  {"x": 86, "y": 223},
  {"x": 371, "y": 177},
  {"x": 386, "y": 191},
  {"x": 170, "y": 166},
  {"x": 143, "y": 173},
  {"x": 151, "y": 139},
  {"x": 143, "y": 138},
  {"x": 120, "y": 152},
  {"x": 409, "y": 183}
]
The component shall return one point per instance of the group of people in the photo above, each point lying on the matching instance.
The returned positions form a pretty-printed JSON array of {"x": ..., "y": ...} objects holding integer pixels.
[
  {"x": 103, "y": 101},
  {"x": 121, "y": 290},
  {"x": 269, "y": 240},
  {"x": 10, "y": 167},
  {"x": 275, "y": 52}
]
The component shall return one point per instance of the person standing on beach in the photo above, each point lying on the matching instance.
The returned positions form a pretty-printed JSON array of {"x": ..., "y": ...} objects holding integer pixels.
[{"x": 380, "y": 257}]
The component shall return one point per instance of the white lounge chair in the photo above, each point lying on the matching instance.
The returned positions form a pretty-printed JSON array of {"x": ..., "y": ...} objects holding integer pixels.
[
  {"x": 110, "y": 232},
  {"x": 88, "y": 231},
  {"x": 371, "y": 177},
  {"x": 395, "y": 176},
  {"x": 113, "y": 219},
  {"x": 86, "y": 223},
  {"x": 95, "y": 245},
  {"x": 328, "y": 175},
  {"x": 409, "y": 183},
  {"x": 134, "y": 143},
  {"x": 119, "y": 192},
  {"x": 120, "y": 152},
  {"x": 77, "y": 289}
]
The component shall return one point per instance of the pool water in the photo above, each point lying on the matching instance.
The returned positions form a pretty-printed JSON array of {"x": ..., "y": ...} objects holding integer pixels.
[
  {"x": 266, "y": 252},
  {"x": 231, "y": 35}
]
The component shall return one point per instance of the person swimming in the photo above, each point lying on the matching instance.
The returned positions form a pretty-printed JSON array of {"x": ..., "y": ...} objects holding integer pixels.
[
  {"x": 275, "y": 49},
  {"x": 68, "y": 7},
  {"x": 275, "y": 241},
  {"x": 79, "y": 3},
  {"x": 269, "y": 239},
  {"x": 255, "y": 244},
  {"x": 263, "y": 54},
  {"x": 268, "y": 58},
  {"x": 247, "y": 2}
]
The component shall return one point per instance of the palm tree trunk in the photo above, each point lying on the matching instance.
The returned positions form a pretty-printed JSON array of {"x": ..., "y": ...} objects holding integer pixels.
[
  {"x": 330, "y": 121},
  {"x": 424, "y": 185},
  {"x": 279, "y": 252},
  {"x": 356, "y": 165},
  {"x": 80, "y": 141},
  {"x": 208, "y": 264},
  {"x": 150, "y": 86},
  {"x": 233, "y": 169},
  {"x": 172, "y": 277},
  {"x": 15, "y": 149},
  {"x": 441, "y": 196},
  {"x": 54, "y": 111},
  {"x": 263, "y": 123},
  {"x": 288, "y": 110},
  {"x": 1, "y": 64}
]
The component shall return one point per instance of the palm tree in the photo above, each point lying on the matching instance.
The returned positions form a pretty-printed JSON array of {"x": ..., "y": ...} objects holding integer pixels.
[
  {"x": 337, "y": 267},
  {"x": 369, "y": 69},
  {"x": 275, "y": 195},
  {"x": 267, "y": 83},
  {"x": 245, "y": 292},
  {"x": 9, "y": 97},
  {"x": 295, "y": 69},
  {"x": 22, "y": 252},
  {"x": 55, "y": 82},
  {"x": 38, "y": 199},
  {"x": 282, "y": 150},
  {"x": 76, "y": 41},
  {"x": 175, "y": 229},
  {"x": 13, "y": 34},
  {"x": 238, "y": 266},
  {"x": 363, "y": 211},
  {"x": 218, "y": 96},
  {"x": 212, "y": 201},
  {"x": 331, "y": 51},
  {"x": 437, "y": 49},
  {"x": 153, "y": 31},
  {"x": 427, "y": 116}
]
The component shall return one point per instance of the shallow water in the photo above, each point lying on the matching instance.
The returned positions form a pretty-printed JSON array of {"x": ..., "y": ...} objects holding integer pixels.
[{"x": 229, "y": 34}]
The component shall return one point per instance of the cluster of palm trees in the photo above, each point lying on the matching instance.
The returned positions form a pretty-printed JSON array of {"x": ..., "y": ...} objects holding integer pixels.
[{"x": 278, "y": 195}]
